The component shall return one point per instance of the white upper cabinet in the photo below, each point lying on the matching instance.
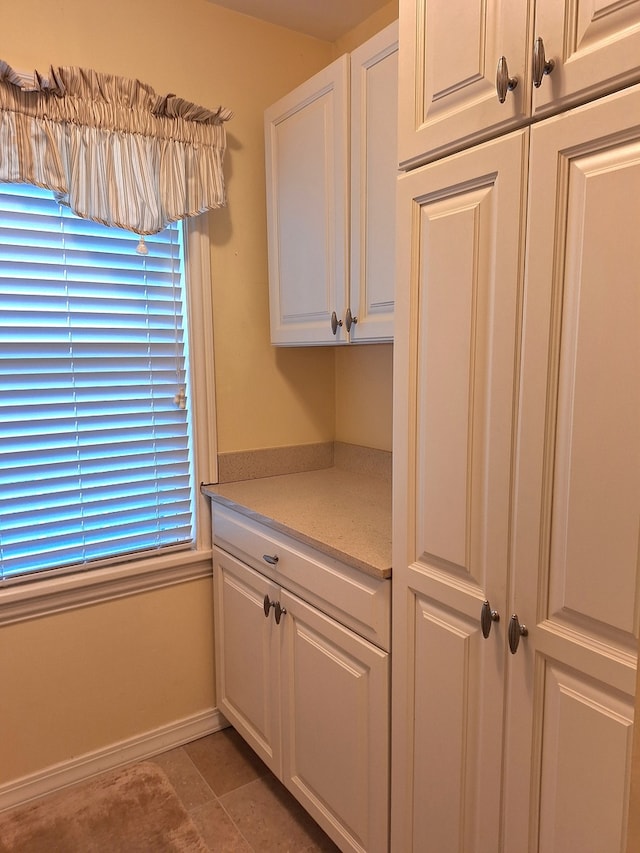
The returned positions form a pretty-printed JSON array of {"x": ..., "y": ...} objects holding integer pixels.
[
  {"x": 374, "y": 174},
  {"x": 541, "y": 57},
  {"x": 331, "y": 164},
  {"x": 307, "y": 147},
  {"x": 595, "y": 48}
]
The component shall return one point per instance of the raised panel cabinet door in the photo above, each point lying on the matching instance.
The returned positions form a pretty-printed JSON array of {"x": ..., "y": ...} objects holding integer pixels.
[
  {"x": 247, "y": 656},
  {"x": 335, "y": 724},
  {"x": 374, "y": 173},
  {"x": 577, "y": 486},
  {"x": 459, "y": 289},
  {"x": 449, "y": 54},
  {"x": 595, "y": 48},
  {"x": 306, "y": 145}
]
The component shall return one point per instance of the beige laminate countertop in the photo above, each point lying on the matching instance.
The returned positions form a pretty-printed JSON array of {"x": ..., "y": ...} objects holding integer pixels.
[{"x": 343, "y": 514}]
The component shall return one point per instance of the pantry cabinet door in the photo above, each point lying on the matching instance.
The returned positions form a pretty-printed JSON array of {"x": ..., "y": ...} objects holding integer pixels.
[
  {"x": 459, "y": 282},
  {"x": 577, "y": 486},
  {"x": 595, "y": 47},
  {"x": 374, "y": 173},
  {"x": 247, "y": 656},
  {"x": 449, "y": 54},
  {"x": 336, "y": 727},
  {"x": 307, "y": 145}
]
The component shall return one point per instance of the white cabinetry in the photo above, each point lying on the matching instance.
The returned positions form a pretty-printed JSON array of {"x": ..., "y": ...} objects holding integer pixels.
[
  {"x": 459, "y": 261},
  {"x": 302, "y": 672},
  {"x": 374, "y": 171},
  {"x": 517, "y": 482},
  {"x": 450, "y": 53},
  {"x": 331, "y": 162},
  {"x": 576, "y": 498}
]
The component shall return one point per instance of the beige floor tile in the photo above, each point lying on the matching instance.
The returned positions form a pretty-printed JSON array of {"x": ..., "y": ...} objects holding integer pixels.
[
  {"x": 185, "y": 778},
  {"x": 272, "y": 821},
  {"x": 225, "y": 761},
  {"x": 217, "y": 830}
]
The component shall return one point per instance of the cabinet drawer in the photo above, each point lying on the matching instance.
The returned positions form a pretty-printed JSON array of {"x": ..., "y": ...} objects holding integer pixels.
[{"x": 353, "y": 598}]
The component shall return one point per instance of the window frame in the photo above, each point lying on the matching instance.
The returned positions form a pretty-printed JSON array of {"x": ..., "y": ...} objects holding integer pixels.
[{"x": 42, "y": 595}]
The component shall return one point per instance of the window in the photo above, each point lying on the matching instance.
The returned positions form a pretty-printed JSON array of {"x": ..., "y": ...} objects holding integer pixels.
[{"x": 96, "y": 450}]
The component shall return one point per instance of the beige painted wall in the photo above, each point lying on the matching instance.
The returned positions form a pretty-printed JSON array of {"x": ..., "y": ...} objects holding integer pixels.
[
  {"x": 76, "y": 682},
  {"x": 358, "y": 35},
  {"x": 82, "y": 680},
  {"x": 364, "y": 376}
]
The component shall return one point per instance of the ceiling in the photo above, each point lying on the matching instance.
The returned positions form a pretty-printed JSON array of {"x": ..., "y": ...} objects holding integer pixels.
[{"x": 323, "y": 19}]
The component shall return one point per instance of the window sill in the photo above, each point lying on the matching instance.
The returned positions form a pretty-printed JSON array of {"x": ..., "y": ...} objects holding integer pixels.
[{"x": 54, "y": 595}]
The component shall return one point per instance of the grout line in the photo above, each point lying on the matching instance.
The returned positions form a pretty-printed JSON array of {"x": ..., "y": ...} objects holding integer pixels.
[
  {"x": 197, "y": 769},
  {"x": 238, "y": 830},
  {"x": 192, "y": 813},
  {"x": 218, "y": 799}
]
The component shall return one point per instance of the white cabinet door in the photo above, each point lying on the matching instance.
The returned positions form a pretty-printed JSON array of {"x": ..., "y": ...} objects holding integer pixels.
[
  {"x": 247, "y": 656},
  {"x": 449, "y": 58},
  {"x": 449, "y": 53},
  {"x": 374, "y": 172},
  {"x": 577, "y": 486},
  {"x": 460, "y": 247},
  {"x": 595, "y": 46},
  {"x": 307, "y": 144},
  {"x": 336, "y": 727}
]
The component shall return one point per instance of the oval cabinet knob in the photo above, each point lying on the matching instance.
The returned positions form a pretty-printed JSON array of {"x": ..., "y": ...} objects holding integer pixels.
[
  {"x": 541, "y": 65},
  {"x": 267, "y": 604},
  {"x": 487, "y": 617},
  {"x": 272, "y": 559},
  {"x": 279, "y": 611},
  {"x": 350, "y": 320},
  {"x": 335, "y": 322},
  {"x": 504, "y": 83},
  {"x": 516, "y": 630}
]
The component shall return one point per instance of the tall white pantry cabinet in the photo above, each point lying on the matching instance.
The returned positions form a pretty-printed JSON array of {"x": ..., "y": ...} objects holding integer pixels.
[{"x": 516, "y": 428}]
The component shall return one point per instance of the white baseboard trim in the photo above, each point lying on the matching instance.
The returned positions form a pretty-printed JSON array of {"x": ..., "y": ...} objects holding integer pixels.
[{"x": 127, "y": 751}]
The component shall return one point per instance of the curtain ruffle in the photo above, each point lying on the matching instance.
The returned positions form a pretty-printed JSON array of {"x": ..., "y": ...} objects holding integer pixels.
[{"x": 110, "y": 147}]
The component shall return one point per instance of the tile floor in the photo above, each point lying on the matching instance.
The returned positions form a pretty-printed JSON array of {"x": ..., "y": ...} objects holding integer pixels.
[{"x": 236, "y": 802}]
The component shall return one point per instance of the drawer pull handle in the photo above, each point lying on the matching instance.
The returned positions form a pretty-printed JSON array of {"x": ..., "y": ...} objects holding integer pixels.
[
  {"x": 279, "y": 611},
  {"x": 267, "y": 605},
  {"x": 272, "y": 560}
]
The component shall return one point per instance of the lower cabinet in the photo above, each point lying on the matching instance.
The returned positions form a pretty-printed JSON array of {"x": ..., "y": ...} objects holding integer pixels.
[{"x": 311, "y": 697}]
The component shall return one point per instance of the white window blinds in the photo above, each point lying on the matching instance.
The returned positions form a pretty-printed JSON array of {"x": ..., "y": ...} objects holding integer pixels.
[{"x": 94, "y": 430}]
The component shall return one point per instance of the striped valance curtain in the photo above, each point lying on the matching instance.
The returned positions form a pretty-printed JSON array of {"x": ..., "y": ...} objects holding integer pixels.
[{"x": 110, "y": 147}]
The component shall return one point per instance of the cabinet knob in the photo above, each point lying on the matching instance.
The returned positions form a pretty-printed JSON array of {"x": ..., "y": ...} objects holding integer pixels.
[
  {"x": 271, "y": 559},
  {"x": 516, "y": 630},
  {"x": 335, "y": 322},
  {"x": 349, "y": 320},
  {"x": 487, "y": 616},
  {"x": 504, "y": 83},
  {"x": 279, "y": 611},
  {"x": 541, "y": 65},
  {"x": 267, "y": 605}
]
